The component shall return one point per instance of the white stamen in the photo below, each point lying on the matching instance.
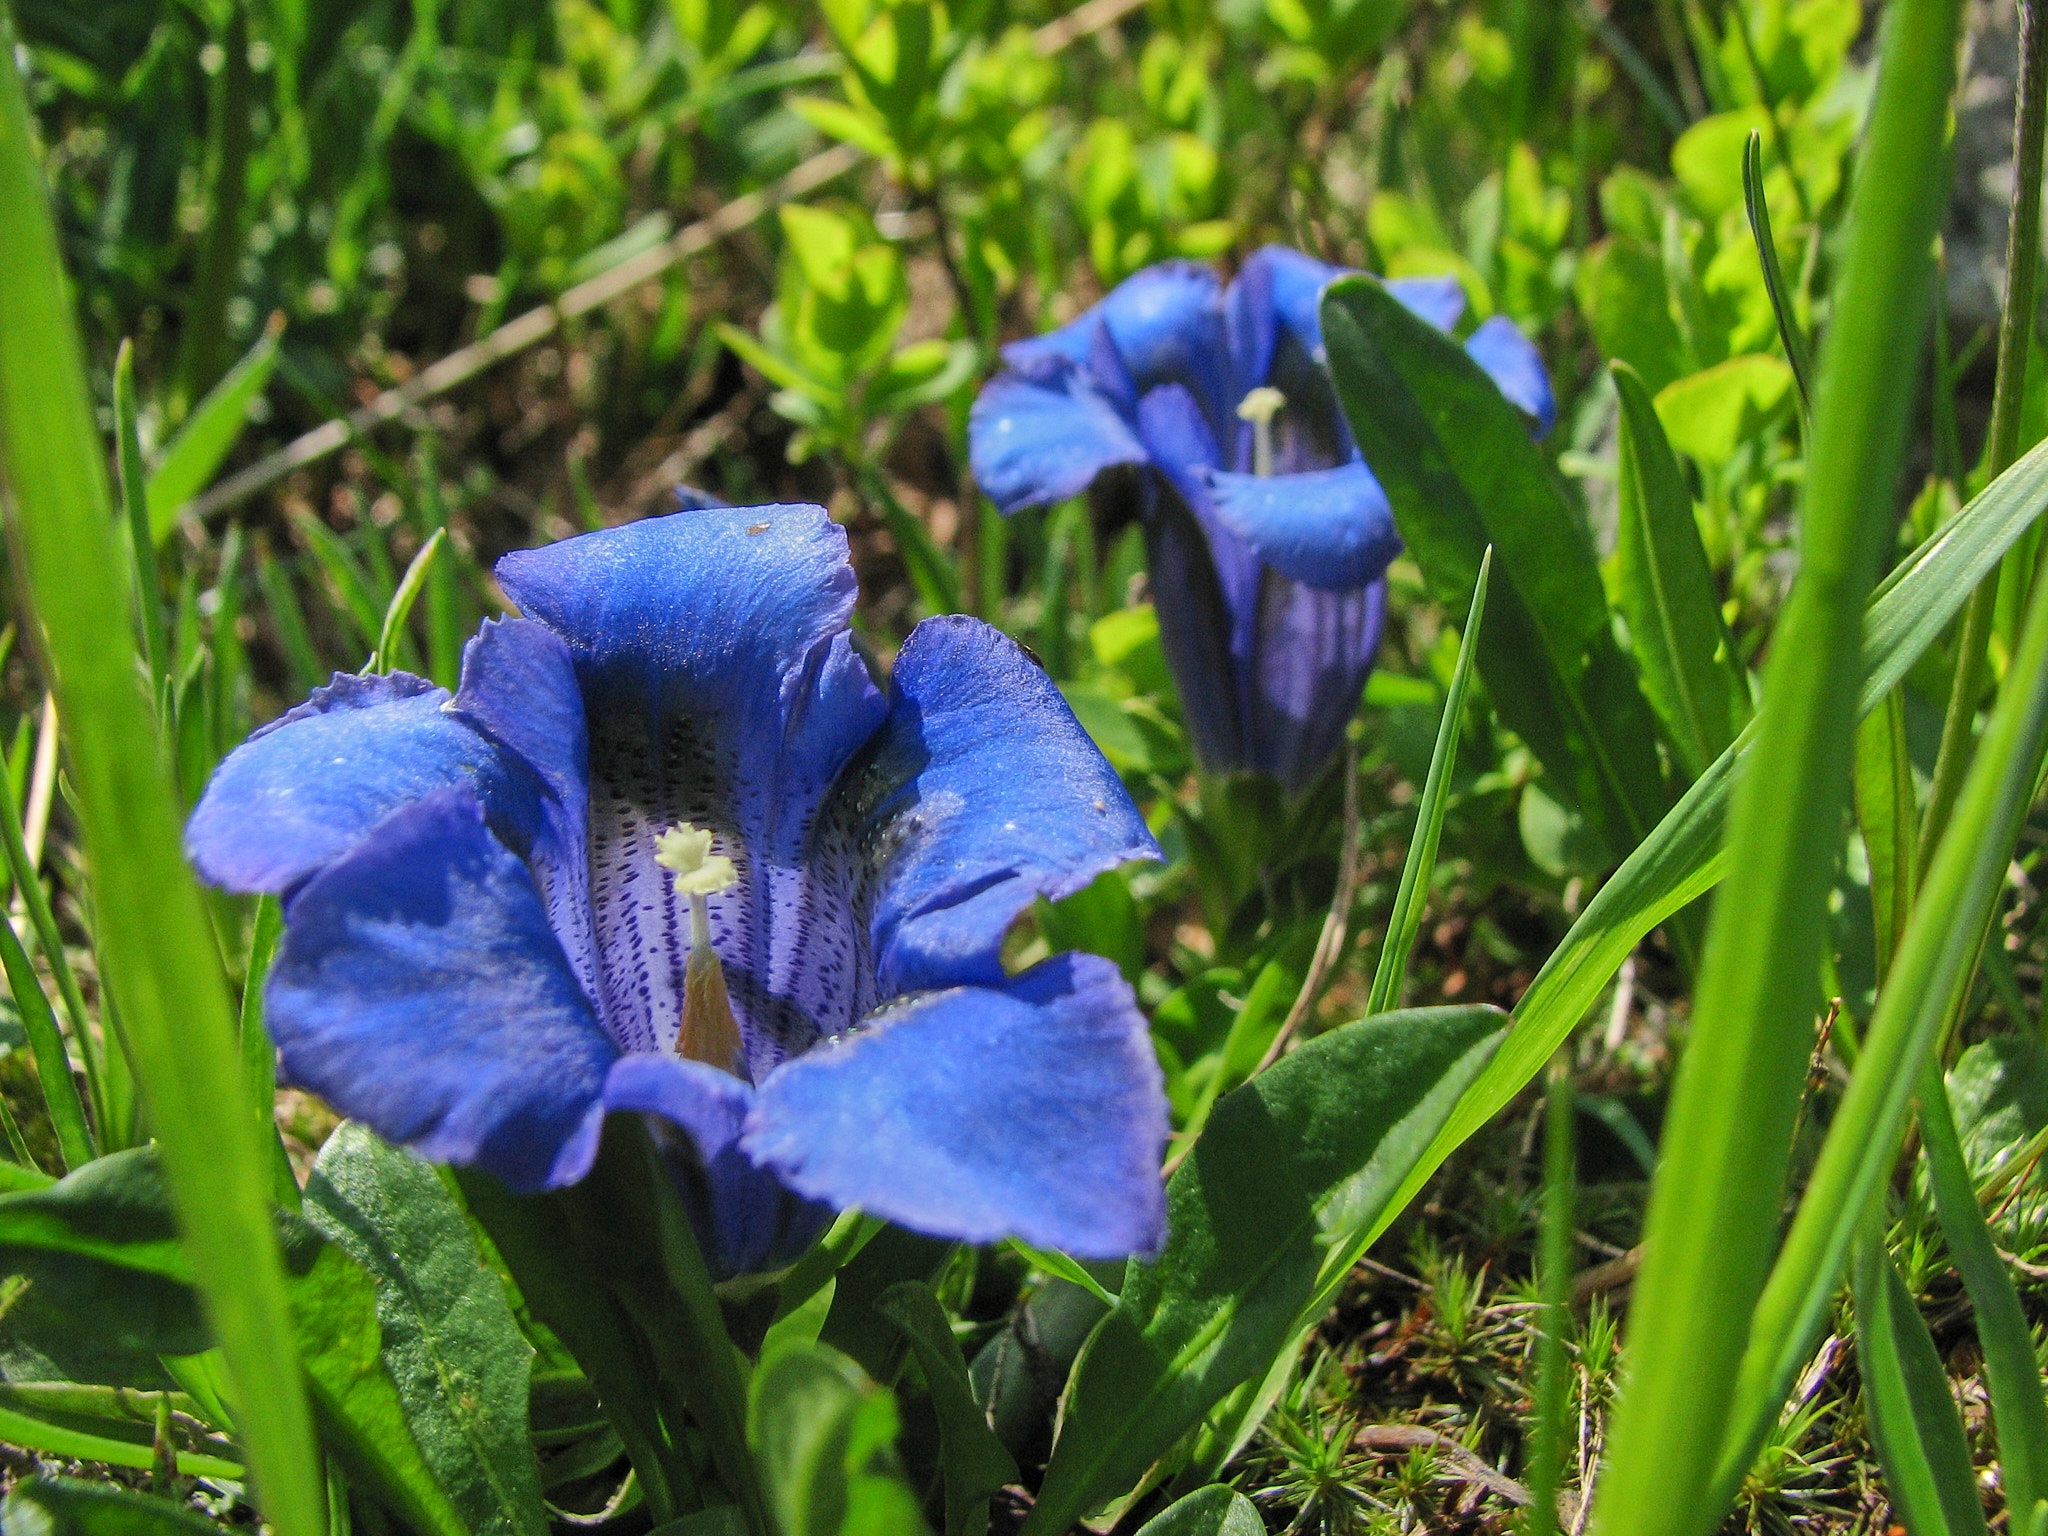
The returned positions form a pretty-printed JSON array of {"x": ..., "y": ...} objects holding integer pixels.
[
  {"x": 1259, "y": 408},
  {"x": 685, "y": 850}
]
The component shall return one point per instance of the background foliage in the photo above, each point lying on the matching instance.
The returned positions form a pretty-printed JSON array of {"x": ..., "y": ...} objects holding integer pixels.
[{"x": 770, "y": 251}]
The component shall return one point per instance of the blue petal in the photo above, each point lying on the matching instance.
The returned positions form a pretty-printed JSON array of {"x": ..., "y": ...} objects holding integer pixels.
[
  {"x": 747, "y": 1220},
  {"x": 1044, "y": 437},
  {"x": 1513, "y": 363},
  {"x": 983, "y": 794},
  {"x": 1311, "y": 654},
  {"x": 519, "y": 690},
  {"x": 420, "y": 990},
  {"x": 1330, "y": 528},
  {"x": 722, "y": 688},
  {"x": 1168, "y": 326},
  {"x": 304, "y": 790},
  {"x": 1276, "y": 289},
  {"x": 1031, "y": 1110},
  {"x": 1205, "y": 579},
  {"x": 1439, "y": 300}
]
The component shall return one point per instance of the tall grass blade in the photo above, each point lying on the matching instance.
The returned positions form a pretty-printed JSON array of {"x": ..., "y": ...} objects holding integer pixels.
[
  {"x": 2019, "y": 1409},
  {"x": 46, "y": 1049},
  {"x": 400, "y": 607},
  {"x": 1412, "y": 895},
  {"x": 149, "y": 595},
  {"x": 1789, "y": 330},
  {"x": 43, "y": 922},
  {"x": 1889, "y": 820},
  {"x": 2008, "y": 397},
  {"x": 1553, "y": 1365},
  {"x": 158, "y": 949},
  {"x": 1935, "y": 960},
  {"x": 1713, "y": 1212},
  {"x": 1912, "y": 1415},
  {"x": 208, "y": 434}
]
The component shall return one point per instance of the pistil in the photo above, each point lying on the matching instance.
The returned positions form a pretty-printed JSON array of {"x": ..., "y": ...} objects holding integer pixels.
[
  {"x": 1259, "y": 408},
  {"x": 708, "y": 1032}
]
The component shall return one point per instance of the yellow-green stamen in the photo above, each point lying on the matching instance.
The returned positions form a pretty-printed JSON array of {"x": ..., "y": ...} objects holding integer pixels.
[
  {"x": 708, "y": 1032},
  {"x": 1259, "y": 408}
]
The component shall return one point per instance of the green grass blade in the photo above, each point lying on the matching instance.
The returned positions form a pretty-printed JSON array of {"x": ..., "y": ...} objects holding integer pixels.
[
  {"x": 1789, "y": 331},
  {"x": 1684, "y": 857},
  {"x": 352, "y": 588},
  {"x": 1934, "y": 962},
  {"x": 400, "y": 607},
  {"x": 208, "y": 434},
  {"x": 1713, "y": 1217},
  {"x": 46, "y": 1049},
  {"x": 135, "y": 502},
  {"x": 2019, "y": 1408},
  {"x": 281, "y": 597},
  {"x": 1412, "y": 896},
  {"x": 1690, "y": 674},
  {"x": 1912, "y": 1415},
  {"x": 1553, "y": 1366},
  {"x": 158, "y": 948},
  {"x": 1886, "y": 813},
  {"x": 44, "y": 923},
  {"x": 259, "y": 1055}
]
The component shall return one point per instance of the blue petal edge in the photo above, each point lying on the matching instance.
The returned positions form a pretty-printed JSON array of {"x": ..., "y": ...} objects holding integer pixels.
[
  {"x": 983, "y": 793},
  {"x": 1328, "y": 528},
  {"x": 1033, "y": 1110}
]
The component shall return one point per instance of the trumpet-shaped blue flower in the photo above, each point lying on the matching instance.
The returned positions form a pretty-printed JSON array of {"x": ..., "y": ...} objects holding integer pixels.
[
  {"x": 669, "y": 849},
  {"x": 1266, "y": 533}
]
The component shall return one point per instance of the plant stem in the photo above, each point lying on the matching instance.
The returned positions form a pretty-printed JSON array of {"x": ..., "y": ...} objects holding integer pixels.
[
  {"x": 1713, "y": 1219},
  {"x": 2001, "y": 446}
]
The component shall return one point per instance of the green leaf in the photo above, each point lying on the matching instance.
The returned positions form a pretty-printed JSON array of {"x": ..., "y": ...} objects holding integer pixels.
[
  {"x": 52, "y": 1506},
  {"x": 1714, "y": 1215},
  {"x": 825, "y": 1438},
  {"x": 659, "y": 1280},
  {"x": 1276, "y": 1197},
  {"x": 863, "y": 130},
  {"x": 538, "y": 1243},
  {"x": 1462, "y": 472},
  {"x": 1621, "y": 290},
  {"x": 364, "y": 1424},
  {"x": 102, "y": 1246},
  {"x": 115, "y": 1425},
  {"x": 1709, "y": 414},
  {"x": 2018, "y": 1406},
  {"x": 973, "y": 1459},
  {"x": 191, "y": 458},
  {"x": 1052, "y": 1262},
  {"x": 1913, "y": 1416},
  {"x": 1417, "y": 870},
  {"x": 1683, "y": 859},
  {"x": 453, "y": 1348},
  {"x": 1668, "y": 596},
  {"x": 1218, "y": 1510}
]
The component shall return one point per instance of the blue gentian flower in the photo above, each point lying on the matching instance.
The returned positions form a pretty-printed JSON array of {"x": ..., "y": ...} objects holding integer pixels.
[
  {"x": 1267, "y": 535},
  {"x": 670, "y": 849}
]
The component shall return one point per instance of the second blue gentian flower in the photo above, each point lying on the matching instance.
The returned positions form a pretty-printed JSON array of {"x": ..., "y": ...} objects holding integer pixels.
[{"x": 1267, "y": 535}]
